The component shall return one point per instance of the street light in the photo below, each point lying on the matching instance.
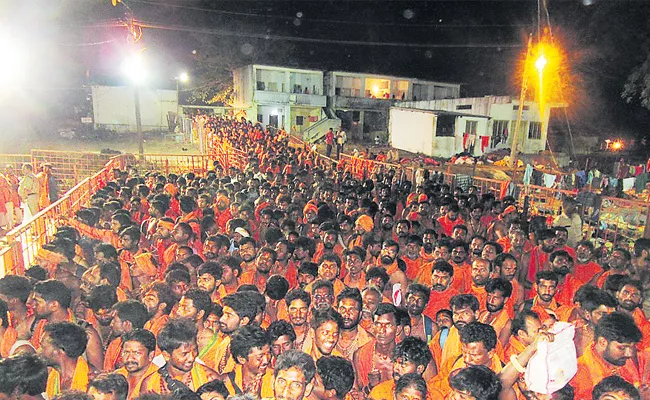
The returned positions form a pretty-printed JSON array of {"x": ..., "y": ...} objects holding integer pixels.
[
  {"x": 133, "y": 67},
  {"x": 183, "y": 77},
  {"x": 14, "y": 61}
]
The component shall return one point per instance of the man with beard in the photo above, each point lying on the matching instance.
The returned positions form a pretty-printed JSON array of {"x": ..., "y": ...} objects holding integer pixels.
[
  {"x": 298, "y": 306},
  {"x": 457, "y": 252},
  {"x": 362, "y": 226},
  {"x": 450, "y": 220},
  {"x": 480, "y": 271},
  {"x": 371, "y": 297},
  {"x": 247, "y": 252},
  {"x": 630, "y": 299},
  {"x": 561, "y": 237},
  {"x": 538, "y": 258},
  {"x": 51, "y": 301},
  {"x": 618, "y": 261},
  {"x": 611, "y": 353},
  {"x": 326, "y": 328},
  {"x": 231, "y": 267},
  {"x": 100, "y": 301},
  {"x": 181, "y": 236},
  {"x": 285, "y": 265},
  {"x": 373, "y": 245},
  {"x": 329, "y": 244},
  {"x": 216, "y": 246},
  {"x": 177, "y": 342},
  {"x": 251, "y": 349},
  {"x": 159, "y": 301},
  {"x": 402, "y": 232},
  {"x": 562, "y": 265},
  {"x": 524, "y": 328},
  {"x": 507, "y": 265},
  {"x": 478, "y": 348},
  {"x": 303, "y": 250},
  {"x": 282, "y": 338},
  {"x": 328, "y": 270},
  {"x": 475, "y": 226},
  {"x": 476, "y": 244},
  {"x": 389, "y": 261},
  {"x": 239, "y": 309},
  {"x": 465, "y": 309},
  {"x": 412, "y": 257},
  {"x": 62, "y": 346},
  {"x": 356, "y": 277},
  {"x": 496, "y": 315},
  {"x": 345, "y": 225},
  {"x": 372, "y": 361},
  {"x": 349, "y": 304},
  {"x": 411, "y": 356},
  {"x": 386, "y": 224},
  {"x": 162, "y": 240},
  {"x": 137, "y": 353},
  {"x": 15, "y": 290},
  {"x": 591, "y": 304},
  {"x": 127, "y": 316},
  {"x": 263, "y": 265},
  {"x": 544, "y": 303},
  {"x": 195, "y": 306},
  {"x": 209, "y": 280},
  {"x": 585, "y": 268},
  {"x": 417, "y": 298},
  {"x": 442, "y": 290},
  {"x": 429, "y": 238}
]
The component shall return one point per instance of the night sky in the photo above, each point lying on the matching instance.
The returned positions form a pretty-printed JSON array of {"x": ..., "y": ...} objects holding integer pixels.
[{"x": 476, "y": 43}]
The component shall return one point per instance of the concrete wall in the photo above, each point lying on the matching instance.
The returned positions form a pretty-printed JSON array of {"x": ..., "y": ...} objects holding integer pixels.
[
  {"x": 114, "y": 108},
  {"x": 412, "y": 130}
]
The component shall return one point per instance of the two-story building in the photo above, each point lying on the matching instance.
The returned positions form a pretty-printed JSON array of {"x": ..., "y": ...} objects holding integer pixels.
[
  {"x": 287, "y": 98},
  {"x": 362, "y": 101},
  {"x": 476, "y": 125}
]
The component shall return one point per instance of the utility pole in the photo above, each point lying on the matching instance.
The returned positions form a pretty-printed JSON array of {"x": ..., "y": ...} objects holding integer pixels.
[
  {"x": 520, "y": 110},
  {"x": 138, "y": 120}
]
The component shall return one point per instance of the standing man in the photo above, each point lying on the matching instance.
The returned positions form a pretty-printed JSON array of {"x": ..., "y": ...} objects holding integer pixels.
[
  {"x": 341, "y": 138},
  {"x": 29, "y": 189},
  {"x": 349, "y": 304},
  {"x": 329, "y": 142}
]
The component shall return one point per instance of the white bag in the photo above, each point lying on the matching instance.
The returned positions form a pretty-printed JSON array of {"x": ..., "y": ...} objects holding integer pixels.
[{"x": 554, "y": 363}]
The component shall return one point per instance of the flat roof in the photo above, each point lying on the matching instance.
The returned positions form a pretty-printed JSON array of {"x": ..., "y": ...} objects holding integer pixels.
[{"x": 442, "y": 112}]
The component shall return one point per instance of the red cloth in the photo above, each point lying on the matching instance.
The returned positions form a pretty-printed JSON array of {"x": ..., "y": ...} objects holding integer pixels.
[{"x": 485, "y": 141}]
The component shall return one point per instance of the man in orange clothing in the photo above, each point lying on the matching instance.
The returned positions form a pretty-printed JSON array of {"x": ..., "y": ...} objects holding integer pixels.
[
  {"x": 137, "y": 353},
  {"x": 618, "y": 262},
  {"x": 62, "y": 345},
  {"x": 159, "y": 301},
  {"x": 591, "y": 304},
  {"x": 412, "y": 257},
  {"x": 128, "y": 315},
  {"x": 459, "y": 259},
  {"x": 507, "y": 264},
  {"x": 410, "y": 356},
  {"x": 450, "y": 219},
  {"x": 585, "y": 267},
  {"x": 264, "y": 261},
  {"x": 442, "y": 276},
  {"x": 610, "y": 354},
  {"x": 480, "y": 273},
  {"x": 630, "y": 300},
  {"x": 544, "y": 303},
  {"x": 496, "y": 315},
  {"x": 562, "y": 264},
  {"x": 465, "y": 310},
  {"x": 525, "y": 328}
]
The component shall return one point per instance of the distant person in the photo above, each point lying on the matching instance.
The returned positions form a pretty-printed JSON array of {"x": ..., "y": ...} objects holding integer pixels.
[
  {"x": 329, "y": 142},
  {"x": 29, "y": 189},
  {"x": 341, "y": 138}
]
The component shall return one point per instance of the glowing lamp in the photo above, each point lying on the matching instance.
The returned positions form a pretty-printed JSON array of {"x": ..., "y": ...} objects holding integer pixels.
[
  {"x": 183, "y": 77},
  {"x": 133, "y": 67},
  {"x": 540, "y": 63},
  {"x": 617, "y": 145}
]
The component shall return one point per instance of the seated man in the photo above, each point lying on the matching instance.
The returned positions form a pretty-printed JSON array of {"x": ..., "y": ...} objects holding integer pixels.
[{"x": 475, "y": 382}]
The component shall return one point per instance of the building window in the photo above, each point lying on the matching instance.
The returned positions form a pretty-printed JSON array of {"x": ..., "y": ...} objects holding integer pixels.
[
  {"x": 470, "y": 127},
  {"x": 299, "y": 120},
  {"x": 356, "y": 116},
  {"x": 499, "y": 132},
  {"x": 464, "y": 107},
  {"x": 535, "y": 130},
  {"x": 446, "y": 126},
  {"x": 337, "y": 91},
  {"x": 260, "y": 85},
  {"x": 260, "y": 117},
  {"x": 516, "y": 108}
]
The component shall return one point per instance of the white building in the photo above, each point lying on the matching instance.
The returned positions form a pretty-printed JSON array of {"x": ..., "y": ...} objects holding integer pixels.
[
  {"x": 362, "y": 101},
  {"x": 114, "y": 108},
  {"x": 478, "y": 125},
  {"x": 282, "y": 97}
]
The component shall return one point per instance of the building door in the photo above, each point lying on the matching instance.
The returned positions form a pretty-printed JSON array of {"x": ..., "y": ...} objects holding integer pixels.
[{"x": 273, "y": 120}]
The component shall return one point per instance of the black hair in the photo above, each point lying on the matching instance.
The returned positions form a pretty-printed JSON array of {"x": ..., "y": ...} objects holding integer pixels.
[
  {"x": 475, "y": 332},
  {"x": 352, "y": 294},
  {"x": 478, "y": 381},
  {"x": 246, "y": 338},
  {"x": 309, "y": 268},
  {"x": 142, "y": 336},
  {"x": 165, "y": 295},
  {"x": 111, "y": 272},
  {"x": 618, "y": 327},
  {"x": 519, "y": 322},
  {"x": 69, "y": 337},
  {"x": 23, "y": 374},
  {"x": 212, "y": 268},
  {"x": 415, "y": 381},
  {"x": 280, "y": 328},
  {"x": 102, "y": 297},
  {"x": 216, "y": 386},
  {"x": 413, "y": 349},
  {"x": 111, "y": 383},
  {"x": 336, "y": 373},
  {"x": 615, "y": 383},
  {"x": 592, "y": 299},
  {"x": 319, "y": 317},
  {"x": 501, "y": 284},
  {"x": 53, "y": 290},
  {"x": 464, "y": 301},
  {"x": 386, "y": 308},
  {"x": 298, "y": 294},
  {"x": 201, "y": 301},
  {"x": 15, "y": 287},
  {"x": 547, "y": 276},
  {"x": 443, "y": 266},
  {"x": 277, "y": 287},
  {"x": 241, "y": 305},
  {"x": 417, "y": 288},
  {"x": 176, "y": 333},
  {"x": 378, "y": 272}
]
